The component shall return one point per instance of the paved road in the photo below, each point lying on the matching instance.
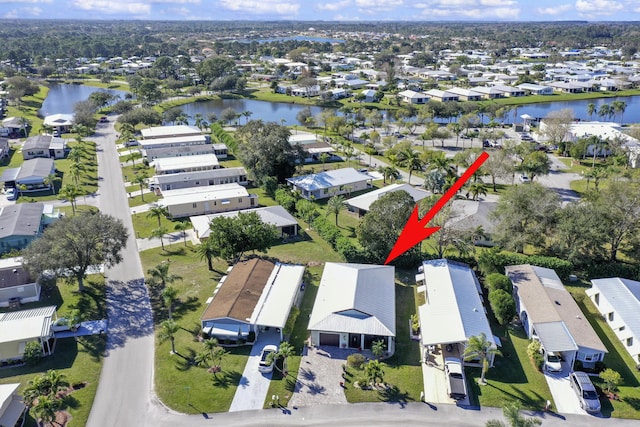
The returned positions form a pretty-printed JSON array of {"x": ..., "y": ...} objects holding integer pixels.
[{"x": 126, "y": 382}]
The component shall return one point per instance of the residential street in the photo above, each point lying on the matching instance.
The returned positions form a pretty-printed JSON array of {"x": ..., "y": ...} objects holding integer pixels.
[{"x": 126, "y": 382}]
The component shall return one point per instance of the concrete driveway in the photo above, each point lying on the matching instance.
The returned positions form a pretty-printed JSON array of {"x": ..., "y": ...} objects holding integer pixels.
[
  {"x": 253, "y": 386},
  {"x": 564, "y": 398}
]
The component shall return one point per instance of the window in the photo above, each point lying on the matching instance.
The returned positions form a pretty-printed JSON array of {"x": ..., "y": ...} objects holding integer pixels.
[
  {"x": 622, "y": 328},
  {"x": 197, "y": 182},
  {"x": 226, "y": 202},
  {"x": 253, "y": 202},
  {"x": 195, "y": 205},
  {"x": 629, "y": 342},
  {"x": 611, "y": 317},
  {"x": 596, "y": 299},
  {"x": 240, "y": 200}
]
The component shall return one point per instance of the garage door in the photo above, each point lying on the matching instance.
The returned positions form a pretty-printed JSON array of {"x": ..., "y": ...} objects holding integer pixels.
[{"x": 330, "y": 339}]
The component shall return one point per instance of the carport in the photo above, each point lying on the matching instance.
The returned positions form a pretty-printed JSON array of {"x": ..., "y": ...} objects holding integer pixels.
[{"x": 555, "y": 337}]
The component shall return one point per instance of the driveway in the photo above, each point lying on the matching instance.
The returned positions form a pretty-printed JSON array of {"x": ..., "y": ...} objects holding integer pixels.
[
  {"x": 253, "y": 386},
  {"x": 319, "y": 377},
  {"x": 564, "y": 398}
]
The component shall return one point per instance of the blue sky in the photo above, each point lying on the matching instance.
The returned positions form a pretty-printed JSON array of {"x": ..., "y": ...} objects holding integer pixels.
[{"x": 329, "y": 10}]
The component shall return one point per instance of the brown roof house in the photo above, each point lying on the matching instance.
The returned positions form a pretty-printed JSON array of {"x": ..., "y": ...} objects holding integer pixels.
[
  {"x": 256, "y": 296},
  {"x": 550, "y": 315}
]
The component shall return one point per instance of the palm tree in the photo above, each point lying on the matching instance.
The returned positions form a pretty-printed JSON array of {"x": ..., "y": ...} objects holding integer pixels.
[
  {"x": 370, "y": 150},
  {"x": 46, "y": 408},
  {"x": 323, "y": 157},
  {"x": 334, "y": 205},
  {"x": 160, "y": 273},
  {"x": 604, "y": 110},
  {"x": 218, "y": 354},
  {"x": 202, "y": 358},
  {"x": 182, "y": 227},
  {"x": 70, "y": 192},
  {"x": 132, "y": 157},
  {"x": 168, "y": 331},
  {"x": 140, "y": 178},
  {"x": 619, "y": 107},
  {"x": 24, "y": 124},
  {"x": 158, "y": 212},
  {"x": 159, "y": 234},
  {"x": 373, "y": 371},
  {"x": 208, "y": 250},
  {"x": 50, "y": 180},
  {"x": 476, "y": 189},
  {"x": 246, "y": 115},
  {"x": 210, "y": 345},
  {"x": 591, "y": 109},
  {"x": 378, "y": 348},
  {"x": 511, "y": 412},
  {"x": 478, "y": 347},
  {"x": 285, "y": 351},
  {"x": 199, "y": 120},
  {"x": 410, "y": 159},
  {"x": 169, "y": 297},
  {"x": 443, "y": 164},
  {"x": 389, "y": 172},
  {"x": 75, "y": 155},
  {"x": 75, "y": 171}
]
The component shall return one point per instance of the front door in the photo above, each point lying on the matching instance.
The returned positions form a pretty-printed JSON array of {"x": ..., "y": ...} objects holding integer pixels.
[{"x": 355, "y": 341}]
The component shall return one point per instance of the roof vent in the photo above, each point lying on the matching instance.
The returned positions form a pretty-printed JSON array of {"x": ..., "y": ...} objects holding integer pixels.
[
  {"x": 475, "y": 309},
  {"x": 557, "y": 302}
]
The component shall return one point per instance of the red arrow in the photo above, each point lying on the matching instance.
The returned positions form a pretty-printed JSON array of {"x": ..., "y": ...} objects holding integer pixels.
[{"x": 414, "y": 230}]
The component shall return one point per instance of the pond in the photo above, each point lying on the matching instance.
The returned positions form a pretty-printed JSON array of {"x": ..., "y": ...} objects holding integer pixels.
[
  {"x": 278, "y": 112},
  {"x": 62, "y": 97}
]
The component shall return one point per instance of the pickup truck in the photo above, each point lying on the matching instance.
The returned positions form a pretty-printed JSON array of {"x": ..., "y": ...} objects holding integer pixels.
[{"x": 456, "y": 385}]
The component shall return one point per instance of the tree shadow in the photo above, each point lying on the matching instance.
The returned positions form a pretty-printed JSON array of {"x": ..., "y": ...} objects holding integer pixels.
[
  {"x": 186, "y": 361},
  {"x": 181, "y": 308},
  {"x": 394, "y": 395},
  {"x": 225, "y": 379},
  {"x": 129, "y": 311},
  {"x": 94, "y": 345}
]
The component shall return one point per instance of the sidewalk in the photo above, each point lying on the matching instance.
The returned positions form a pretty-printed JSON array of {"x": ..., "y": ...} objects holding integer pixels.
[{"x": 170, "y": 239}]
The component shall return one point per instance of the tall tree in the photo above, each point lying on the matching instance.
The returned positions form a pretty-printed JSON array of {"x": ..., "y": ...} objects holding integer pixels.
[
  {"x": 478, "y": 347},
  {"x": 73, "y": 244},
  {"x": 556, "y": 128},
  {"x": 535, "y": 164},
  {"x": 169, "y": 297},
  {"x": 140, "y": 178},
  {"x": 168, "y": 331},
  {"x": 208, "y": 250},
  {"x": 70, "y": 192},
  {"x": 159, "y": 233},
  {"x": 525, "y": 215},
  {"x": 235, "y": 235},
  {"x": 265, "y": 150},
  {"x": 158, "y": 212},
  {"x": 335, "y": 205},
  {"x": 160, "y": 274}
]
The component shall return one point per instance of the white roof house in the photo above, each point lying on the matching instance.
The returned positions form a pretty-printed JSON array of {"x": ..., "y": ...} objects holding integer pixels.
[
  {"x": 11, "y": 405},
  {"x": 59, "y": 120},
  {"x": 618, "y": 300},
  {"x": 274, "y": 215},
  {"x": 17, "y": 328},
  {"x": 354, "y": 306},
  {"x": 329, "y": 183},
  {"x": 362, "y": 203},
  {"x": 453, "y": 311},
  {"x": 169, "y": 131},
  {"x": 173, "y": 141},
  {"x": 186, "y": 164}
]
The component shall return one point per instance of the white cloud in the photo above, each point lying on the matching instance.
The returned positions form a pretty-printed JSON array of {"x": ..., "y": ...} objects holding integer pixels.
[
  {"x": 333, "y": 6},
  {"x": 554, "y": 10},
  {"x": 371, "y": 6},
  {"x": 470, "y": 9},
  {"x": 107, "y": 6},
  {"x": 597, "y": 7},
  {"x": 24, "y": 1},
  {"x": 11, "y": 14},
  {"x": 262, "y": 7},
  {"x": 33, "y": 11}
]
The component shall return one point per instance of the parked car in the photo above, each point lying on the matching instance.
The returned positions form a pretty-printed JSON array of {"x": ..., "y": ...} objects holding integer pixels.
[
  {"x": 552, "y": 362},
  {"x": 264, "y": 365},
  {"x": 524, "y": 179},
  {"x": 131, "y": 143},
  {"x": 104, "y": 119},
  {"x": 11, "y": 194},
  {"x": 586, "y": 392},
  {"x": 456, "y": 385}
]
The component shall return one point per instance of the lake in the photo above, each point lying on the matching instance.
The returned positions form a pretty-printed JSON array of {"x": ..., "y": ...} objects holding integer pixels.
[
  {"x": 631, "y": 114},
  {"x": 62, "y": 97}
]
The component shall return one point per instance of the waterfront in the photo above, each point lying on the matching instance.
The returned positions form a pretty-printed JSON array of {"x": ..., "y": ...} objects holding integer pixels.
[{"x": 62, "y": 97}]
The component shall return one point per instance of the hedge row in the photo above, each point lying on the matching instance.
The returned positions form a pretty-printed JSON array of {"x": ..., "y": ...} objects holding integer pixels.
[
  {"x": 224, "y": 137},
  {"x": 331, "y": 233},
  {"x": 494, "y": 261}
]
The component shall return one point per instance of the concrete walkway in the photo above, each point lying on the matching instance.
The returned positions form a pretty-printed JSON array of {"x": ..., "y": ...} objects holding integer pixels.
[
  {"x": 254, "y": 385},
  {"x": 319, "y": 377},
  {"x": 170, "y": 239}
]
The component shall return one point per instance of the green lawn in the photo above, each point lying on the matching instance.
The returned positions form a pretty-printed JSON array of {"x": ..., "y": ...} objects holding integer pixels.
[
  {"x": 513, "y": 377},
  {"x": 29, "y": 108},
  {"x": 144, "y": 225},
  {"x": 617, "y": 359},
  {"x": 80, "y": 361}
]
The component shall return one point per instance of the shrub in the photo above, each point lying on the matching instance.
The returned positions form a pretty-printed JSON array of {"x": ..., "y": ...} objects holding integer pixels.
[
  {"x": 611, "y": 378},
  {"x": 494, "y": 261},
  {"x": 355, "y": 360},
  {"x": 32, "y": 353},
  {"x": 496, "y": 281},
  {"x": 503, "y": 306},
  {"x": 533, "y": 351}
]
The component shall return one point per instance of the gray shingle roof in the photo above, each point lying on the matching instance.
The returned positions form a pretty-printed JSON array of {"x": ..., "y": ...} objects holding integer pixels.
[{"x": 22, "y": 219}]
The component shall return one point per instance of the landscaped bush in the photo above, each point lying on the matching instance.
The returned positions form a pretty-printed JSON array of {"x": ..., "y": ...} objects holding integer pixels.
[
  {"x": 598, "y": 271},
  {"x": 494, "y": 261},
  {"x": 32, "y": 353},
  {"x": 503, "y": 306},
  {"x": 496, "y": 281},
  {"x": 533, "y": 351},
  {"x": 355, "y": 360}
]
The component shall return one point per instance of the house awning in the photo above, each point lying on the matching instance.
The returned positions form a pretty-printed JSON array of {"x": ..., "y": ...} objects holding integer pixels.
[
  {"x": 227, "y": 330},
  {"x": 554, "y": 336},
  {"x": 12, "y": 413}
]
